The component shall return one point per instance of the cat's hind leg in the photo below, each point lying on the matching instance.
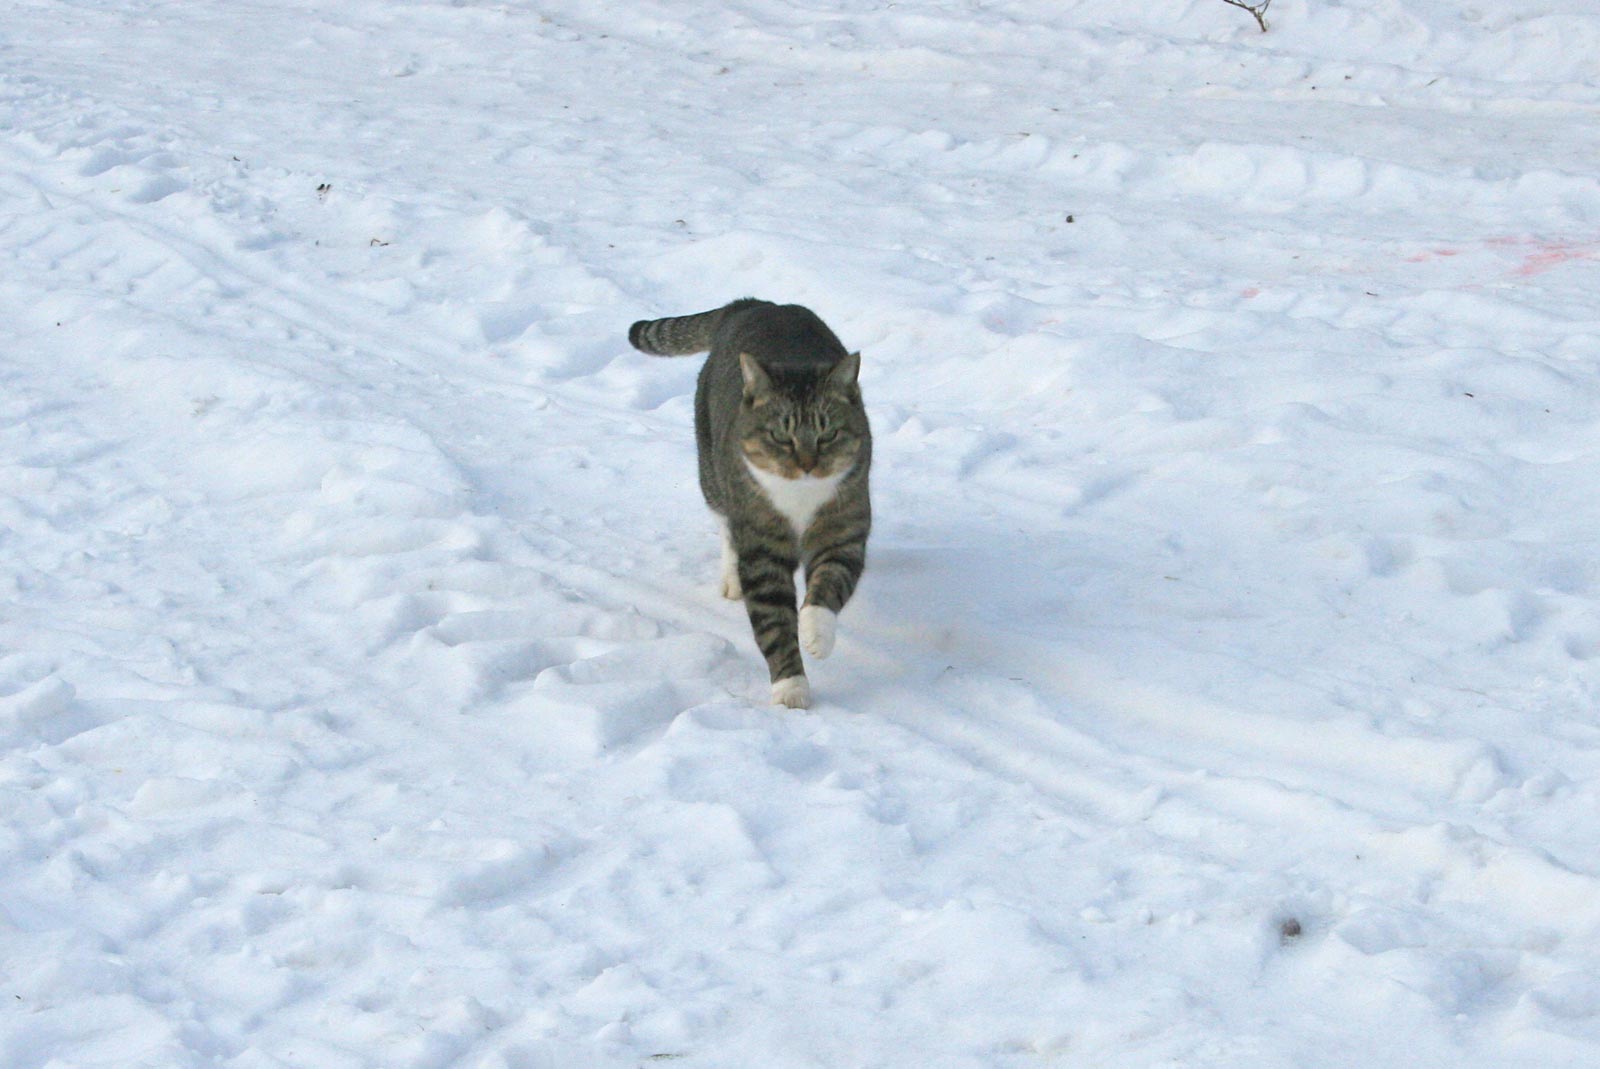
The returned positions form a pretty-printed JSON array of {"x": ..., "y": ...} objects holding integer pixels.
[{"x": 732, "y": 589}]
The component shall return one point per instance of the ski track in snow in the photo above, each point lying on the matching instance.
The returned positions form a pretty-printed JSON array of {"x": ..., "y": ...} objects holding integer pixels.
[{"x": 1222, "y": 689}]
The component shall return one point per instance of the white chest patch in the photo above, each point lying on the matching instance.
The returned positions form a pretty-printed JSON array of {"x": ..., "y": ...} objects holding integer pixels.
[{"x": 797, "y": 499}]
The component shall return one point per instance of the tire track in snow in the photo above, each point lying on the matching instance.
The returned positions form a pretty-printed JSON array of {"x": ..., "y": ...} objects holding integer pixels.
[
  {"x": 378, "y": 511},
  {"x": 1364, "y": 883}
]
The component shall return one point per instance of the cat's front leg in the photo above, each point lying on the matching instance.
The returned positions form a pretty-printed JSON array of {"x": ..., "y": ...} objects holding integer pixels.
[
  {"x": 835, "y": 557},
  {"x": 766, "y": 575},
  {"x": 817, "y": 629}
]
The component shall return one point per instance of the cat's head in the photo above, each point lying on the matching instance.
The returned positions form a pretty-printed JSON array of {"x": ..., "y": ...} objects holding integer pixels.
[{"x": 813, "y": 426}]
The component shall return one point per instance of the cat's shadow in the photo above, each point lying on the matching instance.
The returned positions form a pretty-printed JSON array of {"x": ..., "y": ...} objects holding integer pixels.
[{"x": 949, "y": 603}]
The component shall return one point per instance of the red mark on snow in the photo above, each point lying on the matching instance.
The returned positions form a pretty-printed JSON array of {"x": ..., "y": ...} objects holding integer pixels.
[
  {"x": 1552, "y": 254},
  {"x": 1542, "y": 254},
  {"x": 1535, "y": 255},
  {"x": 1249, "y": 292}
]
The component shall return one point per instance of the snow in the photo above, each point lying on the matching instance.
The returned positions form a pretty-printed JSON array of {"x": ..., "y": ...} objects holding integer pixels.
[{"x": 1222, "y": 687}]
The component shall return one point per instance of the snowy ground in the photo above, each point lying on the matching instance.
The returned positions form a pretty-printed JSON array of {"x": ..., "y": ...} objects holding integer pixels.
[{"x": 1223, "y": 688}]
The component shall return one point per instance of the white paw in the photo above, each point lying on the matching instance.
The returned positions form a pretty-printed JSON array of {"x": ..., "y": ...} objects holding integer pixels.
[
  {"x": 816, "y": 629},
  {"x": 794, "y": 692}
]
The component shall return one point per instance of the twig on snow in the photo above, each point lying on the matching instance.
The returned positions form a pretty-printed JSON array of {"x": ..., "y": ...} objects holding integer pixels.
[{"x": 1258, "y": 10}]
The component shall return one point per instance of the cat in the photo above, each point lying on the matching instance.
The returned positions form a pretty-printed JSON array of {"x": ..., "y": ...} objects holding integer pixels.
[{"x": 784, "y": 450}]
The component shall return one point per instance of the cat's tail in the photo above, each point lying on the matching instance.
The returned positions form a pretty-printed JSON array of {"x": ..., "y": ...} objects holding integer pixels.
[
  {"x": 675, "y": 336},
  {"x": 681, "y": 335}
]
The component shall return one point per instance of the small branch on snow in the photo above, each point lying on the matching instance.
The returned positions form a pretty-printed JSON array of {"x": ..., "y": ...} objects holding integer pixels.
[{"x": 1258, "y": 10}]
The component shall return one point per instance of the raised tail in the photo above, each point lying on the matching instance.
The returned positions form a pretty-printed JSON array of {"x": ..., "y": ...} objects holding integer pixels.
[{"x": 681, "y": 335}]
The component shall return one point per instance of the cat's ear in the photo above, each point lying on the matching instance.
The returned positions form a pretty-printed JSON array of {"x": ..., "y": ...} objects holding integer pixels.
[
  {"x": 843, "y": 375},
  {"x": 756, "y": 381}
]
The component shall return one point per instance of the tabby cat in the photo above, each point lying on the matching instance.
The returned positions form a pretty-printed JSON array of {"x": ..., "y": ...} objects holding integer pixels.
[{"x": 784, "y": 451}]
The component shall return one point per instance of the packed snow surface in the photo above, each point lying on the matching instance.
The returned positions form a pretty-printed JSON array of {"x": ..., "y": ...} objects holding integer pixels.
[{"x": 1223, "y": 687}]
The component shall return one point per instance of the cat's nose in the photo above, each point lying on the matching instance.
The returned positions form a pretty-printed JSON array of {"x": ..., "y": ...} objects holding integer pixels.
[{"x": 806, "y": 462}]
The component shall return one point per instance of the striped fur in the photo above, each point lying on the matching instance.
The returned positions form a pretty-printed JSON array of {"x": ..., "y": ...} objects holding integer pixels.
[
  {"x": 677, "y": 335},
  {"x": 784, "y": 450}
]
